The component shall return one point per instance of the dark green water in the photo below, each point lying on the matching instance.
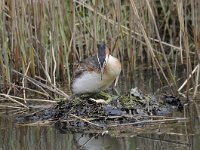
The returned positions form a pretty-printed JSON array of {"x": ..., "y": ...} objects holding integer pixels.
[{"x": 177, "y": 136}]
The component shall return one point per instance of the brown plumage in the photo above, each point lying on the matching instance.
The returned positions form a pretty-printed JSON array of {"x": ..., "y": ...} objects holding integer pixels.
[{"x": 88, "y": 64}]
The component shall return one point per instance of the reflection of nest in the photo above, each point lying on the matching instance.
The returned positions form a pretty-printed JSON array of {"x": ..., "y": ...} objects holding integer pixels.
[{"x": 77, "y": 115}]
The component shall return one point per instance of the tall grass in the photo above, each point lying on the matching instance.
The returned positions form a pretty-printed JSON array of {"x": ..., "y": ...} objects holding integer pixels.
[{"x": 44, "y": 38}]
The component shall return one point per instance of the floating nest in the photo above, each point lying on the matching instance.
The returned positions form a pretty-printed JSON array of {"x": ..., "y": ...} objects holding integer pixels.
[{"x": 104, "y": 111}]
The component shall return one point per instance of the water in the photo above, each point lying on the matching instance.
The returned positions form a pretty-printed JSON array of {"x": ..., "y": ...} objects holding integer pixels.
[
  {"x": 13, "y": 136},
  {"x": 179, "y": 136}
]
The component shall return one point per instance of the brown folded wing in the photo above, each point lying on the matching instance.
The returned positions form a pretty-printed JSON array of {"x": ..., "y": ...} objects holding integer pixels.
[{"x": 89, "y": 64}]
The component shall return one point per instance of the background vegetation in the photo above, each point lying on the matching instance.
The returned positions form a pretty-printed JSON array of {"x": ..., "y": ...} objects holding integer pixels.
[{"x": 40, "y": 39}]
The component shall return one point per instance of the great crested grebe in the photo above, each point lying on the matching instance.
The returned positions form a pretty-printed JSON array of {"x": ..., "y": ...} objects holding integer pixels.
[{"x": 96, "y": 73}]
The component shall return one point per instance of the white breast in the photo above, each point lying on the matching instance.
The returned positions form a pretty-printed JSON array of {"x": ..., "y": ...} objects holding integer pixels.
[{"x": 91, "y": 82}]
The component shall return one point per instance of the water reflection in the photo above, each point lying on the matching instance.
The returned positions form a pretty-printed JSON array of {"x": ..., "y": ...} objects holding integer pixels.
[{"x": 48, "y": 138}]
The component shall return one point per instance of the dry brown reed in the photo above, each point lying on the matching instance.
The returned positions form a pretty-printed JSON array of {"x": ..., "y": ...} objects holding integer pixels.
[{"x": 44, "y": 38}]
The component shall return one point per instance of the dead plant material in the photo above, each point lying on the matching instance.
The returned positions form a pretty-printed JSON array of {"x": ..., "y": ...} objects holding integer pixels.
[{"x": 127, "y": 110}]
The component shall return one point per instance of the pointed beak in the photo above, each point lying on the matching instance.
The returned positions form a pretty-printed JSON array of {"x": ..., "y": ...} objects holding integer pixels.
[{"x": 102, "y": 70}]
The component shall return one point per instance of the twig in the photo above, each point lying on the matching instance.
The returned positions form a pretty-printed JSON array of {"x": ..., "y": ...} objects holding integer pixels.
[
  {"x": 197, "y": 110},
  {"x": 13, "y": 111},
  {"x": 39, "y": 84},
  {"x": 184, "y": 83},
  {"x": 148, "y": 121},
  {"x": 85, "y": 120},
  {"x": 55, "y": 65},
  {"x": 89, "y": 140},
  {"x": 45, "y": 68},
  {"x": 196, "y": 82},
  {"x": 32, "y": 90},
  {"x": 37, "y": 100},
  {"x": 42, "y": 123},
  {"x": 23, "y": 82},
  {"x": 162, "y": 140},
  {"x": 13, "y": 100},
  {"x": 18, "y": 112},
  {"x": 9, "y": 106},
  {"x": 28, "y": 78}
]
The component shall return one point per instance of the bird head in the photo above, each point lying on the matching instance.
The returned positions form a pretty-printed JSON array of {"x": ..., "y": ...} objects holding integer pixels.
[{"x": 102, "y": 57}]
